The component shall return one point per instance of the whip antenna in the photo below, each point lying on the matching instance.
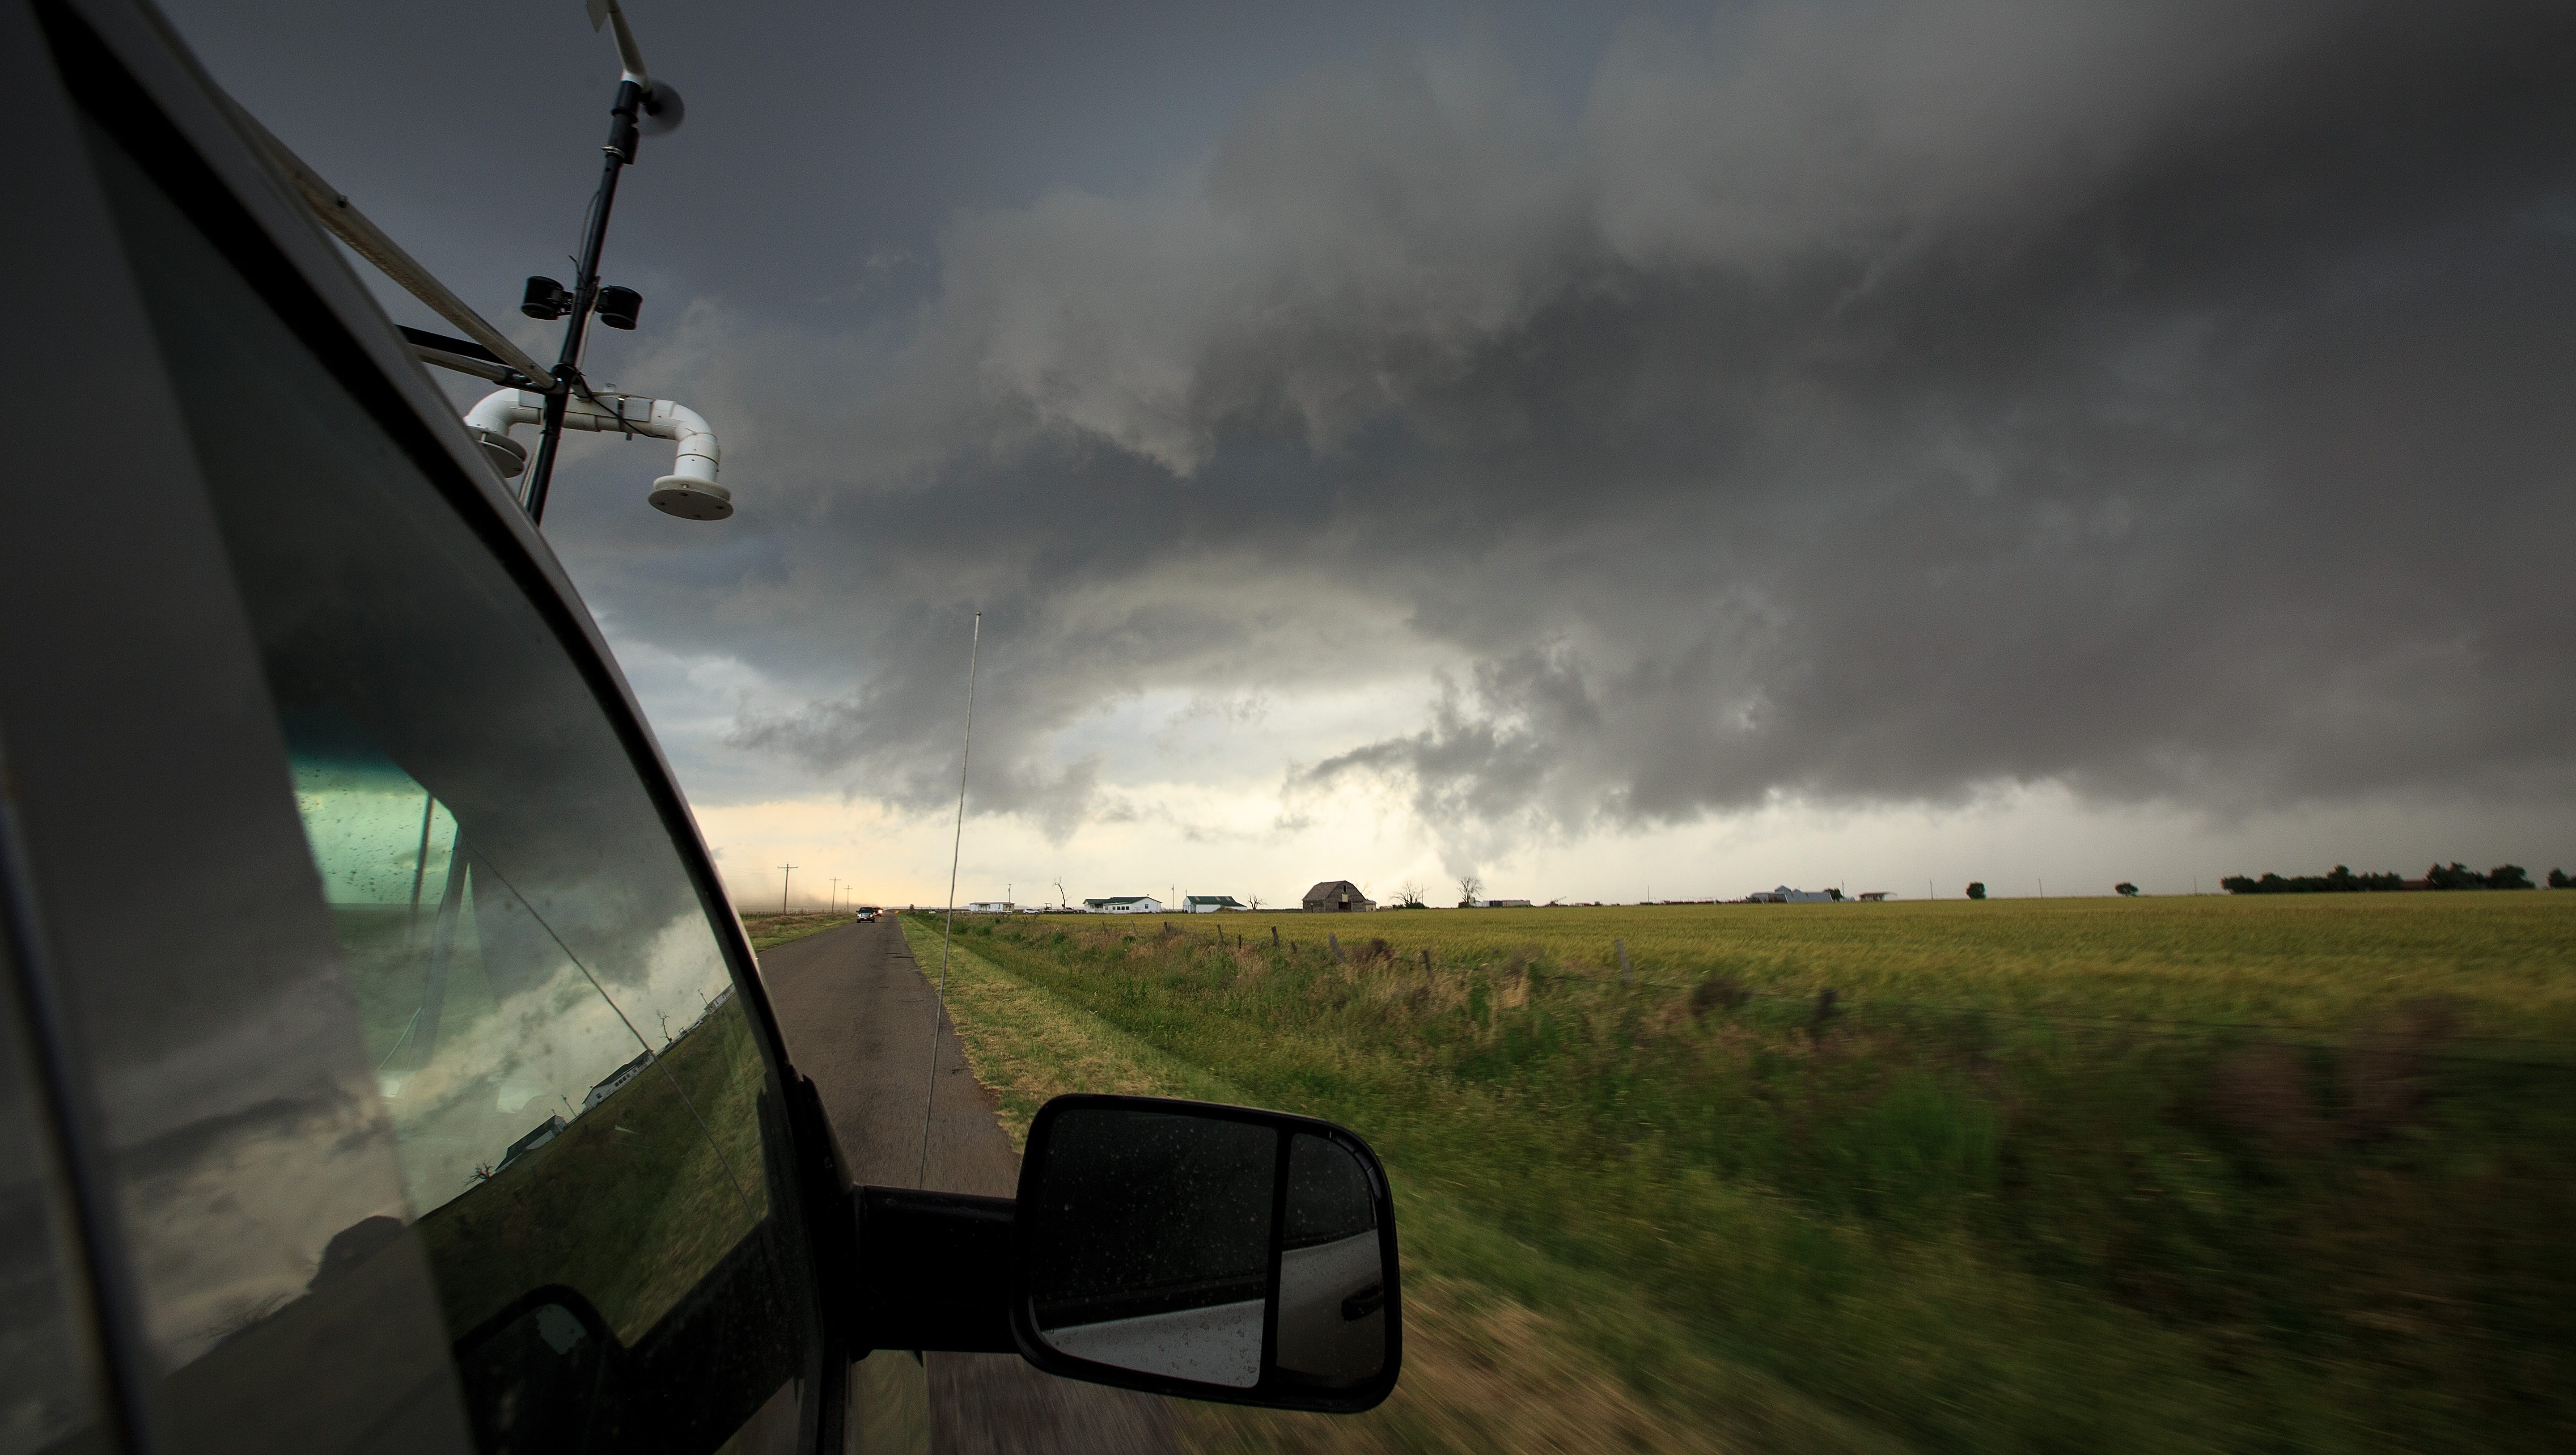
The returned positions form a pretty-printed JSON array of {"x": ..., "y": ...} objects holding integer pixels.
[{"x": 939, "y": 1005}]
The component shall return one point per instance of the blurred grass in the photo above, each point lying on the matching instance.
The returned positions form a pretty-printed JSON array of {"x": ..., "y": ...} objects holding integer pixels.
[
  {"x": 767, "y": 930},
  {"x": 2101, "y": 1175}
]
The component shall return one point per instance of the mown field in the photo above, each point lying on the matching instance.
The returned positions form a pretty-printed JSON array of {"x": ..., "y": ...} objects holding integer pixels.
[{"x": 2047, "y": 1174}]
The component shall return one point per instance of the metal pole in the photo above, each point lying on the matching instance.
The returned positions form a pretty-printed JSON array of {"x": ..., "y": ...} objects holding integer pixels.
[
  {"x": 786, "y": 876},
  {"x": 620, "y": 152},
  {"x": 956, "y": 846}
]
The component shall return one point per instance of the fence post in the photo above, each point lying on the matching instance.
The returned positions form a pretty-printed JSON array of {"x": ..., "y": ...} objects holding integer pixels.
[
  {"x": 1336, "y": 943},
  {"x": 1622, "y": 947}
]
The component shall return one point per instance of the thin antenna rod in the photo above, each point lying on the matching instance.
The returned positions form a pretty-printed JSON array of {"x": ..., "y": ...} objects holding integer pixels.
[{"x": 956, "y": 844}]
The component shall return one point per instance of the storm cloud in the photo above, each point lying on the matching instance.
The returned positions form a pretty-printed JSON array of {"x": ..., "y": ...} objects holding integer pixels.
[{"x": 1844, "y": 403}]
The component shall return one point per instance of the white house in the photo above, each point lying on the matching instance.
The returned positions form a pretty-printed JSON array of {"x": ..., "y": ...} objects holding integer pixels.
[
  {"x": 1210, "y": 903},
  {"x": 1124, "y": 904},
  {"x": 991, "y": 906}
]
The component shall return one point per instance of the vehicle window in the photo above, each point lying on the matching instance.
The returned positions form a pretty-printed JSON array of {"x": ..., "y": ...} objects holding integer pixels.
[
  {"x": 577, "y": 1096},
  {"x": 45, "y": 1375}
]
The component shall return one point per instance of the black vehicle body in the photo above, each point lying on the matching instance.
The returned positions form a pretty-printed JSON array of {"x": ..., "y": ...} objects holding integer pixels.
[{"x": 382, "y": 1066}]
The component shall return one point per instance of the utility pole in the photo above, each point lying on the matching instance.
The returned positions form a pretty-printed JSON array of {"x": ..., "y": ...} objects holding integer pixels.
[
  {"x": 836, "y": 896},
  {"x": 787, "y": 875}
]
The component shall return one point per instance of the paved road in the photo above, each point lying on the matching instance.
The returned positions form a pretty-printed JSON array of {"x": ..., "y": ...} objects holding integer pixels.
[{"x": 857, "y": 1015}]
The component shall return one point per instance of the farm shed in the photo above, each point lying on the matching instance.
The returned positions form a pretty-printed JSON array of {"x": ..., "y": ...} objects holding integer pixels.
[
  {"x": 1337, "y": 896},
  {"x": 1209, "y": 903},
  {"x": 1124, "y": 904}
]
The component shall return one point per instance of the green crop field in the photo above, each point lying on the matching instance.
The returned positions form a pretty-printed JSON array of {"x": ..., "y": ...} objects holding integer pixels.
[{"x": 2203, "y": 1174}]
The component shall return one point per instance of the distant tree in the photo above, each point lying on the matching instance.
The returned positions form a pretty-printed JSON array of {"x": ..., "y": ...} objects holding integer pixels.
[
  {"x": 2558, "y": 880},
  {"x": 2125, "y": 890},
  {"x": 1409, "y": 894},
  {"x": 1977, "y": 890},
  {"x": 2509, "y": 876},
  {"x": 2457, "y": 876},
  {"x": 1470, "y": 889},
  {"x": 1256, "y": 901}
]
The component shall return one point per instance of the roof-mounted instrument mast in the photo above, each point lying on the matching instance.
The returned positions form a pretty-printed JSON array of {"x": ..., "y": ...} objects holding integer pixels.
[{"x": 642, "y": 108}]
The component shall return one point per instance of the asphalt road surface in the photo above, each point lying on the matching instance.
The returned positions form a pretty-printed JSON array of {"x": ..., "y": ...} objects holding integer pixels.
[{"x": 857, "y": 1016}]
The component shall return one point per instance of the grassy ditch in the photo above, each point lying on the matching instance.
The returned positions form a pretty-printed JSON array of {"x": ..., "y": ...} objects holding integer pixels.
[
  {"x": 2196, "y": 1175},
  {"x": 767, "y": 930}
]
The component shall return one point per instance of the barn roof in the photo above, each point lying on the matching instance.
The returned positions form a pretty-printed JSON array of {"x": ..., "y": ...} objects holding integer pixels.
[{"x": 1325, "y": 889}]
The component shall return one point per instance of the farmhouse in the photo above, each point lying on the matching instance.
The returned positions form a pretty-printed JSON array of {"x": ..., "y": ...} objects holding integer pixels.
[
  {"x": 1493, "y": 904},
  {"x": 991, "y": 906},
  {"x": 1785, "y": 895},
  {"x": 1337, "y": 896},
  {"x": 1209, "y": 903},
  {"x": 1124, "y": 904}
]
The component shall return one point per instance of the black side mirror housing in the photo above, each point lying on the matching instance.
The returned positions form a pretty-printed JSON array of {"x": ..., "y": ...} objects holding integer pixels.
[{"x": 1180, "y": 1248}]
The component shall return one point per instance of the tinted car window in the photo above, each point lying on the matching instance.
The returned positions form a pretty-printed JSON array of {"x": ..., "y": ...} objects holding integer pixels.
[{"x": 576, "y": 1093}]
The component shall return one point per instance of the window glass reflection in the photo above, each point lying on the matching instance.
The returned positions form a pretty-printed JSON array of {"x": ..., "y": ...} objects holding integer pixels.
[{"x": 497, "y": 1048}]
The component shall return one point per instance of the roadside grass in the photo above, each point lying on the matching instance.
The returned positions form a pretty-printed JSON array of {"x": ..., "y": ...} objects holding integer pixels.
[
  {"x": 767, "y": 930},
  {"x": 1029, "y": 1046},
  {"x": 1483, "y": 1371},
  {"x": 2196, "y": 1175}
]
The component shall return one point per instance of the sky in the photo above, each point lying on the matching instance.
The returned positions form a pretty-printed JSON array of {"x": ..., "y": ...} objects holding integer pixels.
[{"x": 1613, "y": 453}]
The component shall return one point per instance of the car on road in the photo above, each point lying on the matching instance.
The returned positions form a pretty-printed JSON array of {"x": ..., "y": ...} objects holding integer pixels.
[
  {"x": 382, "y": 1066},
  {"x": 867, "y": 915}
]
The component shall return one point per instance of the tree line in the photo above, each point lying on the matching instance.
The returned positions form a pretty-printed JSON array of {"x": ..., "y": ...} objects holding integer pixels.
[{"x": 2342, "y": 880}]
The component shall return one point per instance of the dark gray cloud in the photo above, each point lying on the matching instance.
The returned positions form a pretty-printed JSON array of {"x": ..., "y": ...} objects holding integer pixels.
[
  {"x": 1841, "y": 401},
  {"x": 1852, "y": 402}
]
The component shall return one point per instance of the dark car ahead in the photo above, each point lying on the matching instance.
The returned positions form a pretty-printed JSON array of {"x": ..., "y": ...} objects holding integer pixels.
[
  {"x": 867, "y": 914},
  {"x": 382, "y": 1067}
]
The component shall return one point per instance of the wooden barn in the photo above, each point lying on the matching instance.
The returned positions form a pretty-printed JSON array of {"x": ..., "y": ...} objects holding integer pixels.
[{"x": 1337, "y": 896}]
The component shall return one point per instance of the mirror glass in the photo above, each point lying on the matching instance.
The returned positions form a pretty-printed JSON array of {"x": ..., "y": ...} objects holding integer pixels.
[
  {"x": 1332, "y": 1289},
  {"x": 1154, "y": 1246},
  {"x": 1157, "y": 1240}
]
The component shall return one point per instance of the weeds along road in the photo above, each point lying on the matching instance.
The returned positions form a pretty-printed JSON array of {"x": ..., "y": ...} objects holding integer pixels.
[{"x": 857, "y": 1016}]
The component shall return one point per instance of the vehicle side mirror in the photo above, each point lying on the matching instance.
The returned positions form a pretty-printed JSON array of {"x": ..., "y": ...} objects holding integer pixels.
[{"x": 1208, "y": 1252}]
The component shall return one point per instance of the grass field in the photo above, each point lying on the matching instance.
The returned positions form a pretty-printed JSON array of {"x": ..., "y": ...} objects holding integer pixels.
[
  {"x": 2281, "y": 1174},
  {"x": 778, "y": 929}
]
